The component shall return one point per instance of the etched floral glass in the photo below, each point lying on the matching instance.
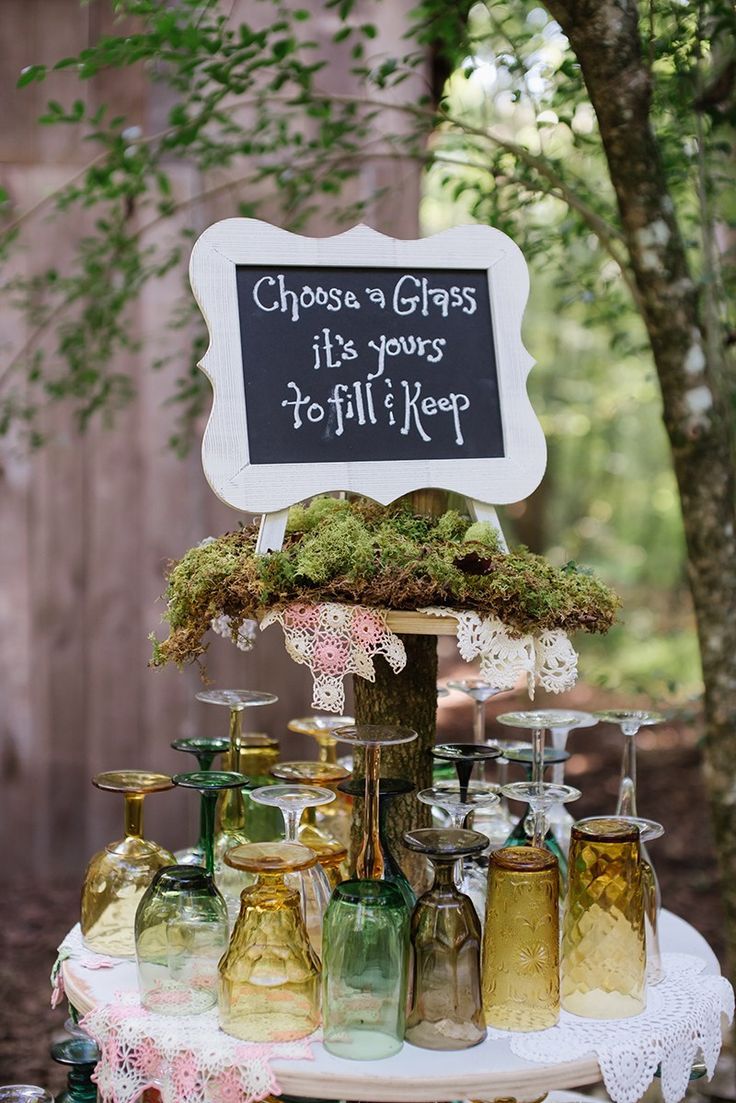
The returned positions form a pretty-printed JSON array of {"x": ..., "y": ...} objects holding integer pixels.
[
  {"x": 269, "y": 986},
  {"x": 603, "y": 939},
  {"x": 117, "y": 876},
  {"x": 446, "y": 1008},
  {"x": 521, "y": 985},
  {"x": 365, "y": 970},
  {"x": 181, "y": 932}
]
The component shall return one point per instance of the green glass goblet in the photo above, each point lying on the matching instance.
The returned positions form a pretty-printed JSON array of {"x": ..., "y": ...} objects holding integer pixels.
[
  {"x": 209, "y": 783},
  {"x": 205, "y": 751},
  {"x": 80, "y": 1055}
]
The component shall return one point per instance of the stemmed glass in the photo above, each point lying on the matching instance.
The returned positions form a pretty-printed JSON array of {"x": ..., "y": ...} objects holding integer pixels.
[
  {"x": 232, "y": 807},
  {"x": 629, "y": 721},
  {"x": 321, "y": 728},
  {"x": 464, "y": 756},
  {"x": 325, "y": 775},
  {"x": 369, "y": 864},
  {"x": 204, "y": 750},
  {"x": 648, "y": 831},
  {"x": 560, "y": 820},
  {"x": 312, "y": 881},
  {"x": 208, "y": 784},
  {"x": 480, "y": 692},
  {"x": 520, "y": 836},
  {"x": 117, "y": 876},
  {"x": 540, "y": 796},
  {"x": 389, "y": 789},
  {"x": 537, "y": 721}
]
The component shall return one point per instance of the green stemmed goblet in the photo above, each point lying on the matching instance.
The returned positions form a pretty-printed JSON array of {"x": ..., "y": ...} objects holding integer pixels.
[
  {"x": 204, "y": 750},
  {"x": 209, "y": 783}
]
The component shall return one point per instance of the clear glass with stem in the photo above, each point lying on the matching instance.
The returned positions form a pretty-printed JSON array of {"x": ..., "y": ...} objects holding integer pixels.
[
  {"x": 322, "y": 729},
  {"x": 204, "y": 750},
  {"x": 446, "y": 1007},
  {"x": 520, "y": 835},
  {"x": 369, "y": 862},
  {"x": 540, "y": 796},
  {"x": 480, "y": 692},
  {"x": 649, "y": 830},
  {"x": 327, "y": 834},
  {"x": 312, "y": 882},
  {"x": 231, "y": 810},
  {"x": 560, "y": 726},
  {"x": 470, "y": 876},
  {"x": 118, "y": 875}
]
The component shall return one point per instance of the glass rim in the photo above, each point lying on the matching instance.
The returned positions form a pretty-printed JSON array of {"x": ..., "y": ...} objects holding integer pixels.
[
  {"x": 534, "y": 719},
  {"x": 208, "y": 780},
  {"x": 604, "y": 829},
  {"x": 318, "y": 724},
  {"x": 136, "y": 782},
  {"x": 183, "y": 875},
  {"x": 321, "y": 771},
  {"x": 239, "y": 698},
  {"x": 372, "y": 735},
  {"x": 523, "y": 859},
  {"x": 459, "y": 752},
  {"x": 649, "y": 830},
  {"x": 447, "y": 843},
  {"x": 218, "y": 744}
]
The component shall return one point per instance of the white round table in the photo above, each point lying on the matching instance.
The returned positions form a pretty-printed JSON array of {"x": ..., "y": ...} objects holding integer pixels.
[{"x": 488, "y": 1071}]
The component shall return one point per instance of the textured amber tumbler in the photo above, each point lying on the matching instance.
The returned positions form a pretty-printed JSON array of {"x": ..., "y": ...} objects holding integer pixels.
[
  {"x": 521, "y": 961},
  {"x": 603, "y": 943}
]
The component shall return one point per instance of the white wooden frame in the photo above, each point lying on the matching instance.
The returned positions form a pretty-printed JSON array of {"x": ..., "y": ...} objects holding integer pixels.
[{"x": 272, "y": 488}]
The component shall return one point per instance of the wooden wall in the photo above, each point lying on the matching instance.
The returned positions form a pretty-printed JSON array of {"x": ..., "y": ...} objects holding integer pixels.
[{"x": 87, "y": 523}]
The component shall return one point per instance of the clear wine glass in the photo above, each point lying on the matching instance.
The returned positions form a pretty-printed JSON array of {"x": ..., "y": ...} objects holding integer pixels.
[
  {"x": 537, "y": 721},
  {"x": 464, "y": 756},
  {"x": 630, "y": 721},
  {"x": 329, "y": 835},
  {"x": 560, "y": 820},
  {"x": 480, "y": 692},
  {"x": 369, "y": 863},
  {"x": 205, "y": 751},
  {"x": 540, "y": 796}
]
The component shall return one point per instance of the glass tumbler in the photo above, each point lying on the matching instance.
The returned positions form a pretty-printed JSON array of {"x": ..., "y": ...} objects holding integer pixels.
[
  {"x": 603, "y": 942},
  {"x": 365, "y": 963},
  {"x": 521, "y": 938},
  {"x": 181, "y": 932}
]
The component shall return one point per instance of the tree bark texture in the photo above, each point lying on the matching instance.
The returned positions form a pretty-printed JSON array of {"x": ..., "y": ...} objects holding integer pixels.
[
  {"x": 690, "y": 364},
  {"x": 409, "y": 700}
]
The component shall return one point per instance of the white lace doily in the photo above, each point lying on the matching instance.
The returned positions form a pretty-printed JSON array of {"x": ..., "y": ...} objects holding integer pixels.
[
  {"x": 334, "y": 640},
  {"x": 682, "y": 1021},
  {"x": 548, "y": 660}
]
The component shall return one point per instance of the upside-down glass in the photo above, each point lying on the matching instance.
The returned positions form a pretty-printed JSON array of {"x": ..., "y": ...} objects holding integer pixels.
[
  {"x": 321, "y": 728},
  {"x": 322, "y": 837},
  {"x": 209, "y": 784},
  {"x": 312, "y": 881},
  {"x": 117, "y": 876},
  {"x": 389, "y": 789},
  {"x": 80, "y": 1055},
  {"x": 204, "y": 750},
  {"x": 446, "y": 1008},
  {"x": 522, "y": 831},
  {"x": 258, "y": 755},
  {"x": 365, "y": 970},
  {"x": 559, "y": 819},
  {"x": 181, "y": 932},
  {"x": 537, "y": 721},
  {"x": 480, "y": 692},
  {"x": 369, "y": 862},
  {"x": 603, "y": 939},
  {"x": 464, "y": 756},
  {"x": 269, "y": 988},
  {"x": 521, "y": 981}
]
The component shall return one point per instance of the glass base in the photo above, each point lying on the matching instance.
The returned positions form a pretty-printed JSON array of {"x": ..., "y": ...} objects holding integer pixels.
[{"x": 363, "y": 1045}]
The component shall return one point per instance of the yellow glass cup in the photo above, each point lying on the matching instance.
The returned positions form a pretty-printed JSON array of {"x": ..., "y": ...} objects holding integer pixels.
[
  {"x": 521, "y": 961},
  {"x": 603, "y": 942}
]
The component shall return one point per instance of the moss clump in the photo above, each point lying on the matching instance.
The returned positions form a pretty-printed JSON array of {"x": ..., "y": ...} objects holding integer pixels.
[{"x": 388, "y": 557}]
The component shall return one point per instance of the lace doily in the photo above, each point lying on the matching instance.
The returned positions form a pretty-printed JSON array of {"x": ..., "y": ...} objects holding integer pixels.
[
  {"x": 548, "y": 660},
  {"x": 334, "y": 640},
  {"x": 187, "y": 1058},
  {"x": 682, "y": 1021}
]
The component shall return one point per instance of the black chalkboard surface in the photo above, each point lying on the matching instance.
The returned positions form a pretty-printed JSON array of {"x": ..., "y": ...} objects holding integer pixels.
[{"x": 368, "y": 364}]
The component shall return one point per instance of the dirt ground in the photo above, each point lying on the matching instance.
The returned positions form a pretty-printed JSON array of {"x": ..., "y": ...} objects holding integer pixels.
[{"x": 36, "y": 916}]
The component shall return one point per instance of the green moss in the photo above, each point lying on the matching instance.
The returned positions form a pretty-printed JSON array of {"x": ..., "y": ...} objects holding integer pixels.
[{"x": 360, "y": 552}]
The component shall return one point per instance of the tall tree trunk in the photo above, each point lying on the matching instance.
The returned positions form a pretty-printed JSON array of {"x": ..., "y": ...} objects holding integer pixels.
[
  {"x": 408, "y": 700},
  {"x": 605, "y": 37}
]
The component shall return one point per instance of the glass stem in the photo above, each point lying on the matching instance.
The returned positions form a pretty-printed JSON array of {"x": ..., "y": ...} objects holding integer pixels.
[
  {"x": 205, "y": 760},
  {"x": 207, "y": 839},
  {"x": 538, "y": 756},
  {"x": 134, "y": 815},
  {"x": 458, "y": 868},
  {"x": 292, "y": 816},
  {"x": 502, "y": 766},
  {"x": 626, "y": 805},
  {"x": 463, "y": 768},
  {"x": 236, "y": 732},
  {"x": 369, "y": 863},
  {"x": 479, "y": 721},
  {"x": 444, "y": 875},
  {"x": 539, "y": 834}
]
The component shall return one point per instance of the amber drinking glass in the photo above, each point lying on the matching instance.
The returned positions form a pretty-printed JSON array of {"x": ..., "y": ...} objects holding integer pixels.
[
  {"x": 365, "y": 969},
  {"x": 369, "y": 862},
  {"x": 603, "y": 939},
  {"x": 181, "y": 932},
  {"x": 117, "y": 876},
  {"x": 269, "y": 984},
  {"x": 389, "y": 789},
  {"x": 322, "y": 729},
  {"x": 521, "y": 938},
  {"x": 445, "y": 1010}
]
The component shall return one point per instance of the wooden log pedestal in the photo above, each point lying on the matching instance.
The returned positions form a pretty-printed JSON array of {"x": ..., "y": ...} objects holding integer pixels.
[{"x": 489, "y": 1071}]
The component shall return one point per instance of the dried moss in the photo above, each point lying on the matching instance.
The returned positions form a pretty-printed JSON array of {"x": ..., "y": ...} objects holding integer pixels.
[{"x": 389, "y": 557}]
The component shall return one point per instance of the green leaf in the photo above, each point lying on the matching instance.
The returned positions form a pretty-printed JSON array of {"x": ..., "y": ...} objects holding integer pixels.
[{"x": 30, "y": 74}]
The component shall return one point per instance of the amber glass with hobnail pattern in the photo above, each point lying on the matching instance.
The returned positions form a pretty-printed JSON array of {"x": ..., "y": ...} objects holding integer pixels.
[
  {"x": 521, "y": 977},
  {"x": 603, "y": 941},
  {"x": 269, "y": 989}
]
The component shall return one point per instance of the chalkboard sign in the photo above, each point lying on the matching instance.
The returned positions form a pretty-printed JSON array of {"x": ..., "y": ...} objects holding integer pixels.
[
  {"x": 382, "y": 363},
  {"x": 365, "y": 363}
]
